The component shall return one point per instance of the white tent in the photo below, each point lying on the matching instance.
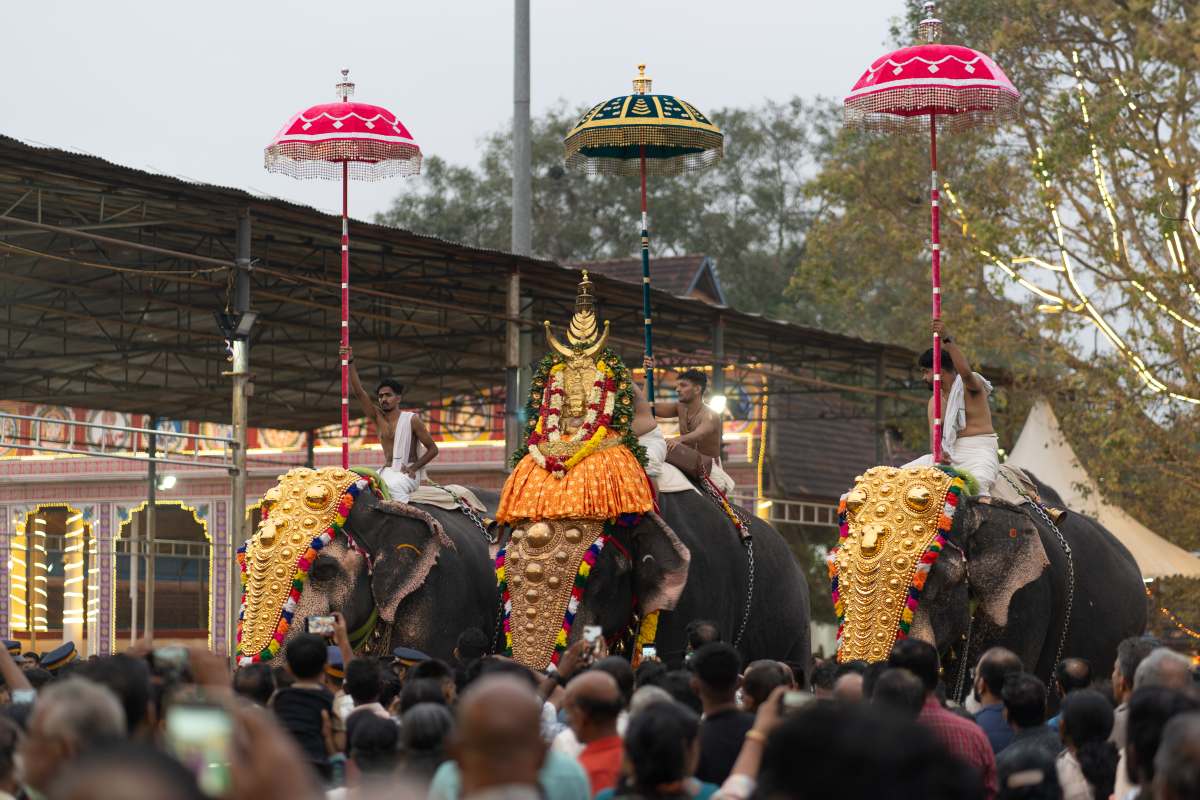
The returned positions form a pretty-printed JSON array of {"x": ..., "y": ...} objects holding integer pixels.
[{"x": 1043, "y": 450}]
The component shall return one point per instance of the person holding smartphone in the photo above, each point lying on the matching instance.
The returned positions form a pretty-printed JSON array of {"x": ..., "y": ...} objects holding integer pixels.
[{"x": 306, "y": 707}]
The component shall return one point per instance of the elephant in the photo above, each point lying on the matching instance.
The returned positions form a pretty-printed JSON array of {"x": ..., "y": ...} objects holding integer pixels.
[
  {"x": 690, "y": 564},
  {"x": 427, "y": 572},
  {"x": 1009, "y": 564}
]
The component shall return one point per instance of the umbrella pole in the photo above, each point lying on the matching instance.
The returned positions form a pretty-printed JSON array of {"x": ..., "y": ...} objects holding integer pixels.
[
  {"x": 936, "y": 275},
  {"x": 345, "y": 316},
  {"x": 649, "y": 336}
]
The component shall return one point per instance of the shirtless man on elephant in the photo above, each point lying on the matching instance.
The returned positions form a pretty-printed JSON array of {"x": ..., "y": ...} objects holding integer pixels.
[
  {"x": 697, "y": 448},
  {"x": 402, "y": 434},
  {"x": 969, "y": 441}
]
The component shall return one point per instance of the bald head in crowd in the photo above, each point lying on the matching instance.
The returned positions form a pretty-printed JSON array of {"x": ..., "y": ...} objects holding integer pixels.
[
  {"x": 69, "y": 718},
  {"x": 593, "y": 701},
  {"x": 1166, "y": 668},
  {"x": 498, "y": 741},
  {"x": 849, "y": 688}
]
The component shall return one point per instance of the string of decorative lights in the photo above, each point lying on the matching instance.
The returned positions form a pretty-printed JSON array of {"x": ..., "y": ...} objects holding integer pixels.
[
  {"x": 1057, "y": 303},
  {"x": 1170, "y": 615}
]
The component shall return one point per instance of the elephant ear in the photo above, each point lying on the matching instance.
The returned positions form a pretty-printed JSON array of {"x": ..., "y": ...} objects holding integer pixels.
[
  {"x": 1005, "y": 554},
  {"x": 402, "y": 544},
  {"x": 662, "y": 568}
]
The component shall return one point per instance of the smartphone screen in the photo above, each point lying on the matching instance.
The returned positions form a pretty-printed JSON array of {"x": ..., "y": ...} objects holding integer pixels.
[
  {"x": 591, "y": 633},
  {"x": 172, "y": 658},
  {"x": 321, "y": 624},
  {"x": 201, "y": 737},
  {"x": 649, "y": 652},
  {"x": 795, "y": 700}
]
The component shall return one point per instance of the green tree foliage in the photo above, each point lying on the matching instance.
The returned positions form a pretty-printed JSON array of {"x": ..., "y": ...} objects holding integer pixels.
[
  {"x": 1120, "y": 180},
  {"x": 748, "y": 212}
]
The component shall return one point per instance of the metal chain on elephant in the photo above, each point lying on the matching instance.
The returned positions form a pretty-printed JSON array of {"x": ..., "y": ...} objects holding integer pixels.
[
  {"x": 743, "y": 527},
  {"x": 465, "y": 507},
  {"x": 749, "y": 542},
  {"x": 963, "y": 660},
  {"x": 1066, "y": 548}
]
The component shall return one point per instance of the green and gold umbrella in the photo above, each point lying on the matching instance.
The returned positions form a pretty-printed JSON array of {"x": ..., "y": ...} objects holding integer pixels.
[{"x": 644, "y": 134}]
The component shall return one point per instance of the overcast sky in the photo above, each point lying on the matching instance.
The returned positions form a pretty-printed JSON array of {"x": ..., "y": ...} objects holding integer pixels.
[{"x": 198, "y": 89}]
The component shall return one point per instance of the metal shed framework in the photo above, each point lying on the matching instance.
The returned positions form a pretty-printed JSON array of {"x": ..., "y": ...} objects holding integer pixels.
[{"x": 112, "y": 277}]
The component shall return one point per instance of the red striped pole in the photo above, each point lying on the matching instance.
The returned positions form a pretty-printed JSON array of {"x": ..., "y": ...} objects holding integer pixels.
[{"x": 935, "y": 218}]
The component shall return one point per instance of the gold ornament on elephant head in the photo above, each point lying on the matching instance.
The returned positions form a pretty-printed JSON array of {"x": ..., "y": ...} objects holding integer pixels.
[
  {"x": 893, "y": 516},
  {"x": 580, "y": 354},
  {"x": 303, "y": 504}
]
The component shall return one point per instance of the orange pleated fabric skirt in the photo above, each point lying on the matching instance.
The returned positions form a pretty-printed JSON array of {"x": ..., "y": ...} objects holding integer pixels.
[{"x": 607, "y": 483}]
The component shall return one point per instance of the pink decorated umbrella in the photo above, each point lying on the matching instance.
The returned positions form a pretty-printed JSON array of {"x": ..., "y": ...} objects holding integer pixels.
[
  {"x": 955, "y": 87},
  {"x": 344, "y": 140}
]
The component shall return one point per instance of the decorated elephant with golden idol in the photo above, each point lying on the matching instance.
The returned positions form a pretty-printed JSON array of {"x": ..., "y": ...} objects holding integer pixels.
[
  {"x": 588, "y": 542},
  {"x": 584, "y": 539},
  {"x": 920, "y": 555}
]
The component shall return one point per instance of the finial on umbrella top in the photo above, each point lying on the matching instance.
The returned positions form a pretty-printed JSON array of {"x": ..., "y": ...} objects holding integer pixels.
[
  {"x": 641, "y": 84},
  {"x": 345, "y": 88},
  {"x": 930, "y": 28}
]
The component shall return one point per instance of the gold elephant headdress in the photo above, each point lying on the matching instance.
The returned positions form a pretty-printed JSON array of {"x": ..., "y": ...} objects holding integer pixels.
[{"x": 892, "y": 527}]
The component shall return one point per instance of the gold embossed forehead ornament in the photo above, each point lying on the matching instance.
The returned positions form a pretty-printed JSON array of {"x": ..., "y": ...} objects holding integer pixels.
[
  {"x": 894, "y": 523},
  {"x": 541, "y": 563},
  {"x": 306, "y": 510}
]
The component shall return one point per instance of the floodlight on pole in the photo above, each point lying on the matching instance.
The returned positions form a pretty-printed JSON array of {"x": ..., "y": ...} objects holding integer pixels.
[
  {"x": 717, "y": 403},
  {"x": 167, "y": 482}
]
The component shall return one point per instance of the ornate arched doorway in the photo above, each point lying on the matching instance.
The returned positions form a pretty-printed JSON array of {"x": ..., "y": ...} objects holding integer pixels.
[
  {"x": 183, "y": 564},
  {"x": 49, "y": 574}
]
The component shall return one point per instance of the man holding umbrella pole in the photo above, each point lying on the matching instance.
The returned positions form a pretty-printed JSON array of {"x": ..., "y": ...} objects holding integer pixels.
[{"x": 969, "y": 442}]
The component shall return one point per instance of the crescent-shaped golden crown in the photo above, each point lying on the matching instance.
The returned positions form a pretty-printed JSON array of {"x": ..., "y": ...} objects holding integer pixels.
[{"x": 582, "y": 332}]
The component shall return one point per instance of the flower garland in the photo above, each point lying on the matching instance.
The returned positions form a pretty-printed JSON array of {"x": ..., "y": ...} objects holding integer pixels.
[
  {"x": 924, "y": 565},
  {"x": 600, "y": 403},
  {"x": 505, "y": 599},
  {"x": 299, "y": 577},
  {"x": 618, "y": 384},
  {"x": 646, "y": 636}
]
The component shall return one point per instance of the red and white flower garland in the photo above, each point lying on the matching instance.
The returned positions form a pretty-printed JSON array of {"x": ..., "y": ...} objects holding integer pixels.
[{"x": 595, "y": 428}]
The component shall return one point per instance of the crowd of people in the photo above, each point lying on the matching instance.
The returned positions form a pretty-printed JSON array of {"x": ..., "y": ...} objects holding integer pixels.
[{"x": 173, "y": 723}]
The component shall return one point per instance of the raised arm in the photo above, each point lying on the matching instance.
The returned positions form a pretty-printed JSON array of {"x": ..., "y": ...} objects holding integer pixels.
[
  {"x": 12, "y": 674},
  {"x": 661, "y": 410},
  {"x": 370, "y": 410},
  {"x": 425, "y": 438},
  {"x": 961, "y": 365}
]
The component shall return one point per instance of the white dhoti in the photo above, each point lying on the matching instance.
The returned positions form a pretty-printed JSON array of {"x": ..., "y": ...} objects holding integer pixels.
[
  {"x": 721, "y": 479},
  {"x": 656, "y": 450},
  {"x": 975, "y": 455},
  {"x": 400, "y": 484},
  {"x": 667, "y": 477}
]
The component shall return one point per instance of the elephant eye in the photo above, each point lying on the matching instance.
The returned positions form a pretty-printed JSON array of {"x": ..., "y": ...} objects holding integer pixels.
[{"x": 325, "y": 568}]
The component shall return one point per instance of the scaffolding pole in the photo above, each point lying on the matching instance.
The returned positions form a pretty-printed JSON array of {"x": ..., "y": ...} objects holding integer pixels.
[{"x": 151, "y": 520}]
